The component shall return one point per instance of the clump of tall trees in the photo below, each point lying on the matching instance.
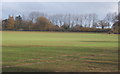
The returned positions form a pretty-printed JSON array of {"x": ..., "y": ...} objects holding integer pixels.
[
  {"x": 37, "y": 21},
  {"x": 116, "y": 26}
]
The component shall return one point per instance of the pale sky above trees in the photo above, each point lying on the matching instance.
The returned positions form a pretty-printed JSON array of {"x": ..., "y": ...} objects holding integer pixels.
[
  {"x": 24, "y": 8},
  {"x": 60, "y": 0}
]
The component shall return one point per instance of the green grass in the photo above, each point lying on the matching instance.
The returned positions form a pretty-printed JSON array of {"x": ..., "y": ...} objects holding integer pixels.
[{"x": 59, "y": 52}]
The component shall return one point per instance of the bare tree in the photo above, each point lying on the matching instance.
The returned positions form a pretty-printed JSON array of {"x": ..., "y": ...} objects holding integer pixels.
[
  {"x": 103, "y": 24},
  {"x": 81, "y": 20},
  {"x": 34, "y": 15},
  {"x": 110, "y": 18},
  {"x": 94, "y": 19},
  {"x": 85, "y": 20}
]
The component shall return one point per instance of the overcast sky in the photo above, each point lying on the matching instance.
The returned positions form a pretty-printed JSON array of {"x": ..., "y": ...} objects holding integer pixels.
[
  {"x": 20, "y": 8},
  {"x": 60, "y": 0}
]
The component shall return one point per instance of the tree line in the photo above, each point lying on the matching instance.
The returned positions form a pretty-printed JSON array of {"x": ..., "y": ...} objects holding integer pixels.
[{"x": 37, "y": 21}]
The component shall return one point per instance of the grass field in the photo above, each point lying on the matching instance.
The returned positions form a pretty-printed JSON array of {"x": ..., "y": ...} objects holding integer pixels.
[{"x": 59, "y": 52}]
